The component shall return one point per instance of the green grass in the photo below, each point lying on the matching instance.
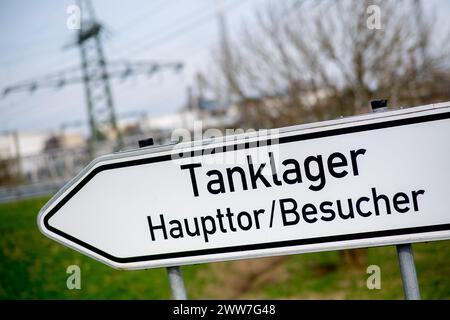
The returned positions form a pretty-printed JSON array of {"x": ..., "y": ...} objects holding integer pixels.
[{"x": 34, "y": 267}]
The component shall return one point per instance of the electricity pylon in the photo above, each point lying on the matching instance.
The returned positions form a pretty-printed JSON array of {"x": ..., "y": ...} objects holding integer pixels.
[
  {"x": 95, "y": 77},
  {"x": 95, "y": 73}
]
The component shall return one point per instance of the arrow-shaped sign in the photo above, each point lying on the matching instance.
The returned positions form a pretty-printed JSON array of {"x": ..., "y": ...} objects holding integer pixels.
[{"x": 362, "y": 181}]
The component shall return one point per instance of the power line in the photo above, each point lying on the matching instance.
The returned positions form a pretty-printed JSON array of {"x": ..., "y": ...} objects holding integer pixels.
[
  {"x": 12, "y": 107},
  {"x": 120, "y": 69},
  {"x": 182, "y": 29},
  {"x": 95, "y": 73},
  {"x": 190, "y": 51},
  {"x": 27, "y": 54},
  {"x": 144, "y": 16},
  {"x": 18, "y": 107},
  {"x": 57, "y": 80},
  {"x": 27, "y": 48}
]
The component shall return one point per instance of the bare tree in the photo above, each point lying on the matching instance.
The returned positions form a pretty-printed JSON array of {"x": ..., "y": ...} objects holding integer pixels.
[{"x": 306, "y": 60}]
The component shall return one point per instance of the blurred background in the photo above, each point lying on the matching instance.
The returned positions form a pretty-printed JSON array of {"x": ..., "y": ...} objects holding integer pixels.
[{"x": 79, "y": 79}]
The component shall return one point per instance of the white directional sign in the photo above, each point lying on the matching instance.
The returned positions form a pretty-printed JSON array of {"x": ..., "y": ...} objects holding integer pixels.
[{"x": 371, "y": 180}]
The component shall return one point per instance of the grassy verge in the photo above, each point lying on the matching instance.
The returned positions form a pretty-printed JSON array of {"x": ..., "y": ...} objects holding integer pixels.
[{"x": 34, "y": 267}]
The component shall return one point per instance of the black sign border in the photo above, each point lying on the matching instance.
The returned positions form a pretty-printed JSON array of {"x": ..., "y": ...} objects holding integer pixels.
[{"x": 249, "y": 247}]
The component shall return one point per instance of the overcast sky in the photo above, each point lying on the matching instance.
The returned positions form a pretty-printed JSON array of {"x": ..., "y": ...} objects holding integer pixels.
[{"x": 33, "y": 33}]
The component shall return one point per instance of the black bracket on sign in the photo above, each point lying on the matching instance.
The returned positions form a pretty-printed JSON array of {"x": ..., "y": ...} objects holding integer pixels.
[{"x": 146, "y": 143}]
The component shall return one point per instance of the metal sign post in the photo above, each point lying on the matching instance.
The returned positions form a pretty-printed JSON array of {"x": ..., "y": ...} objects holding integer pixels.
[
  {"x": 404, "y": 251},
  {"x": 408, "y": 271},
  {"x": 176, "y": 281}
]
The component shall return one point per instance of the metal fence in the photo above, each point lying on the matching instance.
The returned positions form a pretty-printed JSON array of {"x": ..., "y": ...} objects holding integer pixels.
[{"x": 46, "y": 172}]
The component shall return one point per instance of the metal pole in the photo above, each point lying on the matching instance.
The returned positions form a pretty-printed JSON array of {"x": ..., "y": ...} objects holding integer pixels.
[
  {"x": 176, "y": 281},
  {"x": 404, "y": 251},
  {"x": 408, "y": 271},
  {"x": 18, "y": 154}
]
